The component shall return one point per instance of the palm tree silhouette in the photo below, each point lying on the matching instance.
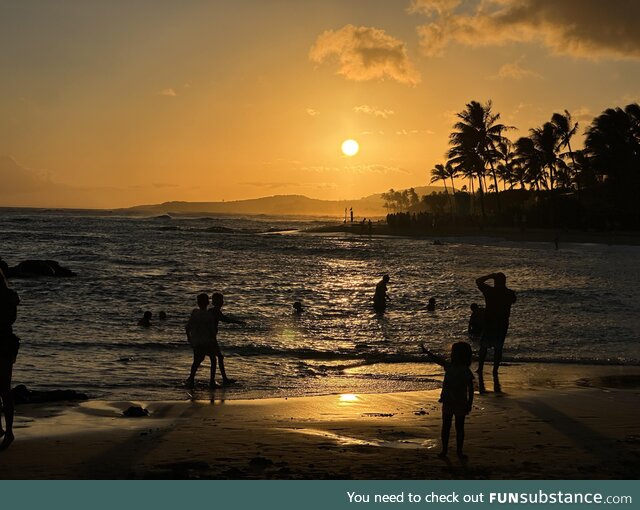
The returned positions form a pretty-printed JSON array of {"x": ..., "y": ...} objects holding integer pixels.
[
  {"x": 474, "y": 141},
  {"x": 441, "y": 173}
]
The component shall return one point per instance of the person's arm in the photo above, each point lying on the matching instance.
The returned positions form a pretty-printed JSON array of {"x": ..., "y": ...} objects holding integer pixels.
[
  {"x": 482, "y": 281},
  {"x": 231, "y": 320},
  {"x": 470, "y": 392},
  {"x": 434, "y": 357}
]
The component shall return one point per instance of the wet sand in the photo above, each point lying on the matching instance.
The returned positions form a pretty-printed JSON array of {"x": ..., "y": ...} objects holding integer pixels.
[{"x": 551, "y": 422}]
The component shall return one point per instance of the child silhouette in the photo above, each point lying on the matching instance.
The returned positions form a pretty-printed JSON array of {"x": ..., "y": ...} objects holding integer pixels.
[{"x": 457, "y": 392}]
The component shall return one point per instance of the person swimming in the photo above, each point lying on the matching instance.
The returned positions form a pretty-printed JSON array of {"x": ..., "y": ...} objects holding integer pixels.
[
  {"x": 431, "y": 306},
  {"x": 145, "y": 321},
  {"x": 380, "y": 296},
  {"x": 297, "y": 308}
]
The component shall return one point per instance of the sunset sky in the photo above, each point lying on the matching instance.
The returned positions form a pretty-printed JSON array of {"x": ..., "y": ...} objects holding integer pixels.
[{"x": 116, "y": 103}]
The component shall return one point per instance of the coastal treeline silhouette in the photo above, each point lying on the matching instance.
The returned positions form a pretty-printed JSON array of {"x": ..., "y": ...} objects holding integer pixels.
[{"x": 539, "y": 180}]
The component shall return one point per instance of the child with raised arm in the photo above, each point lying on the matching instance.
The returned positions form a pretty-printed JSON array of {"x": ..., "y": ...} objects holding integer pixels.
[{"x": 457, "y": 392}]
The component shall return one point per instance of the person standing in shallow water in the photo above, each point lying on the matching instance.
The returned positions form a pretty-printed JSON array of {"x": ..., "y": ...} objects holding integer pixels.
[
  {"x": 380, "y": 297},
  {"x": 498, "y": 300},
  {"x": 217, "y": 302},
  {"x": 9, "y": 345}
]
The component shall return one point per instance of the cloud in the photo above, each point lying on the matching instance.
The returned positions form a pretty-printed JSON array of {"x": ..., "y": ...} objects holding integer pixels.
[
  {"x": 580, "y": 28},
  {"x": 17, "y": 179},
  {"x": 409, "y": 132},
  {"x": 365, "y": 53},
  {"x": 356, "y": 169},
  {"x": 515, "y": 71},
  {"x": 270, "y": 185},
  {"x": 164, "y": 185},
  {"x": 433, "y": 6},
  {"x": 168, "y": 92},
  {"x": 371, "y": 110},
  {"x": 311, "y": 112}
]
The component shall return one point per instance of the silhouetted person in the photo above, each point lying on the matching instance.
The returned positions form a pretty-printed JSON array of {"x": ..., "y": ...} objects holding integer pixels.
[
  {"x": 476, "y": 322},
  {"x": 200, "y": 331},
  {"x": 380, "y": 297},
  {"x": 498, "y": 301},
  {"x": 9, "y": 345},
  {"x": 4, "y": 268},
  {"x": 457, "y": 393},
  {"x": 351, "y": 213},
  {"x": 297, "y": 308},
  {"x": 556, "y": 242},
  {"x": 431, "y": 305},
  {"x": 145, "y": 322},
  {"x": 217, "y": 302},
  {"x": 162, "y": 315}
]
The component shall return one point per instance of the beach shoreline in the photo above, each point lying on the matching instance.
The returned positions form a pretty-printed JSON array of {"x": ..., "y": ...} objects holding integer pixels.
[{"x": 565, "y": 422}]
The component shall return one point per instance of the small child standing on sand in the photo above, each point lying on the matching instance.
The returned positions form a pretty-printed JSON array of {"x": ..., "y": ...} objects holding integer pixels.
[{"x": 457, "y": 392}]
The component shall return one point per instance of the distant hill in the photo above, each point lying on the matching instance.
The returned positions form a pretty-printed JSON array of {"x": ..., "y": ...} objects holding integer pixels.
[{"x": 298, "y": 205}]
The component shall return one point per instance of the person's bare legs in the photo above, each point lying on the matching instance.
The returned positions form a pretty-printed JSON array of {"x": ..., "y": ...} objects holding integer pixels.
[
  {"x": 482, "y": 355},
  {"x": 225, "y": 379},
  {"x": 198, "y": 358},
  {"x": 212, "y": 379},
  {"x": 6, "y": 370},
  {"x": 460, "y": 435},
  {"x": 497, "y": 359},
  {"x": 446, "y": 431}
]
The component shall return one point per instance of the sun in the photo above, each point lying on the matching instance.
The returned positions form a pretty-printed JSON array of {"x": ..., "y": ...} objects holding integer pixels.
[{"x": 350, "y": 147}]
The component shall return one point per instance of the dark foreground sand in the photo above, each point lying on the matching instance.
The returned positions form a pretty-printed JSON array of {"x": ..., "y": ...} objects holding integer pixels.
[{"x": 553, "y": 421}]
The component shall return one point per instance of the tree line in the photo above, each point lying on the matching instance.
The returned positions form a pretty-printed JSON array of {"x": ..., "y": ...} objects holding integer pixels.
[{"x": 541, "y": 175}]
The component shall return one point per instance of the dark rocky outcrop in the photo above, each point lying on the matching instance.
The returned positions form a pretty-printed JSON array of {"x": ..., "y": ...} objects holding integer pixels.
[
  {"x": 33, "y": 268},
  {"x": 135, "y": 412},
  {"x": 23, "y": 395}
]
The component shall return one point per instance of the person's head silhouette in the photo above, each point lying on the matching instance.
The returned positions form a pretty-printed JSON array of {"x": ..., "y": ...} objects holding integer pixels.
[
  {"x": 461, "y": 354},
  {"x": 217, "y": 300}
]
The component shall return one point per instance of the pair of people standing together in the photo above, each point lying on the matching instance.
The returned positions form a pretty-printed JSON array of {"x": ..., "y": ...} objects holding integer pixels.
[{"x": 202, "y": 333}]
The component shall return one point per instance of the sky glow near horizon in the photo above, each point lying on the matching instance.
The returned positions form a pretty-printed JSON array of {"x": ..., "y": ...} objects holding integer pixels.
[{"x": 111, "y": 104}]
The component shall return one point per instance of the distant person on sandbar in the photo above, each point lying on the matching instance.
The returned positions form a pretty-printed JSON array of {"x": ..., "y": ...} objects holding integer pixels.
[
  {"x": 297, "y": 308},
  {"x": 145, "y": 321},
  {"x": 457, "y": 393},
  {"x": 476, "y": 322},
  {"x": 9, "y": 345},
  {"x": 381, "y": 297},
  {"x": 498, "y": 300},
  {"x": 431, "y": 305}
]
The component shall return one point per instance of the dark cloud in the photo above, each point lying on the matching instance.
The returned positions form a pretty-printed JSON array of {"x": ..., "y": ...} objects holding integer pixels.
[{"x": 579, "y": 28}]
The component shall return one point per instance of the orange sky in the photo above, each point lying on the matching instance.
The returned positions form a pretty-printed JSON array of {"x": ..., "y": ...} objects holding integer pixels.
[{"x": 106, "y": 104}]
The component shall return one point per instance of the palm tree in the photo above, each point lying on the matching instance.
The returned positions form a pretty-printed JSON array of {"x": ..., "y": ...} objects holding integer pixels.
[
  {"x": 440, "y": 173},
  {"x": 612, "y": 146},
  {"x": 530, "y": 159},
  {"x": 545, "y": 140},
  {"x": 474, "y": 140},
  {"x": 565, "y": 129}
]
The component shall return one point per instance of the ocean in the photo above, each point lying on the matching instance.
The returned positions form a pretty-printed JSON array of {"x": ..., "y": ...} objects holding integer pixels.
[{"x": 580, "y": 304}]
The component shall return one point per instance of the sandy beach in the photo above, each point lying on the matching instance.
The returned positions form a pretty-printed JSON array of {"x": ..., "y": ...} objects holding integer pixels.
[{"x": 552, "y": 422}]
